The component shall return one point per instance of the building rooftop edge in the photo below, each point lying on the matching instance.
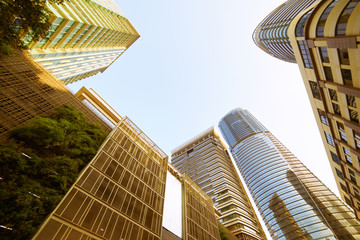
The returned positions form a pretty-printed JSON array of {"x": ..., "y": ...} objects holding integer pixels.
[{"x": 208, "y": 131}]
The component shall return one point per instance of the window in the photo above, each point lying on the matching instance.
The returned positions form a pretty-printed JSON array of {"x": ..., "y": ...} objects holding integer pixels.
[
  {"x": 343, "y": 136},
  {"x": 231, "y": 216},
  {"x": 323, "y": 117},
  {"x": 347, "y": 155},
  {"x": 348, "y": 159},
  {"x": 342, "y": 22},
  {"x": 346, "y": 75},
  {"x": 301, "y": 24},
  {"x": 348, "y": 201},
  {"x": 354, "y": 116},
  {"x": 352, "y": 175},
  {"x": 341, "y": 129},
  {"x": 330, "y": 139},
  {"x": 328, "y": 74},
  {"x": 333, "y": 94},
  {"x": 305, "y": 54},
  {"x": 343, "y": 56},
  {"x": 356, "y": 193},
  {"x": 335, "y": 157},
  {"x": 224, "y": 200},
  {"x": 353, "y": 179},
  {"x": 323, "y": 17},
  {"x": 357, "y": 139},
  {"x": 324, "y": 54},
  {"x": 340, "y": 126},
  {"x": 344, "y": 188},
  {"x": 346, "y": 151},
  {"x": 315, "y": 90},
  {"x": 351, "y": 101},
  {"x": 336, "y": 109},
  {"x": 339, "y": 173}
]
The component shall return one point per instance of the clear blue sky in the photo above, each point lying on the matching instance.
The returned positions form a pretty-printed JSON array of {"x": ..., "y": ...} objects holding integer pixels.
[{"x": 194, "y": 62}]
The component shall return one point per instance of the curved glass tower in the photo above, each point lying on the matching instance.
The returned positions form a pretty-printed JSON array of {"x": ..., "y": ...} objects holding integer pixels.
[
  {"x": 271, "y": 35},
  {"x": 325, "y": 41},
  {"x": 292, "y": 201}
]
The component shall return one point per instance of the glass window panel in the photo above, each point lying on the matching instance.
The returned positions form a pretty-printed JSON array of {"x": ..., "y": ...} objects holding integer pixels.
[
  {"x": 343, "y": 56},
  {"x": 354, "y": 116},
  {"x": 323, "y": 117},
  {"x": 339, "y": 173},
  {"x": 323, "y": 17},
  {"x": 351, "y": 101},
  {"x": 305, "y": 53},
  {"x": 335, "y": 157},
  {"x": 315, "y": 90},
  {"x": 328, "y": 74},
  {"x": 324, "y": 54},
  {"x": 347, "y": 78},
  {"x": 333, "y": 94},
  {"x": 336, "y": 108},
  {"x": 348, "y": 159}
]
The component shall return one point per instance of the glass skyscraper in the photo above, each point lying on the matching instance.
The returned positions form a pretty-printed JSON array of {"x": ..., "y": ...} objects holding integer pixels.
[
  {"x": 293, "y": 203},
  {"x": 85, "y": 37},
  {"x": 271, "y": 35},
  {"x": 323, "y": 38}
]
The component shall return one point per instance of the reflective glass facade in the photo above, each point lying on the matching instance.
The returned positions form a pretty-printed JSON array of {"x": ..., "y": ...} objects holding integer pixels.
[
  {"x": 271, "y": 35},
  {"x": 85, "y": 38},
  {"x": 206, "y": 162},
  {"x": 325, "y": 40},
  {"x": 292, "y": 201},
  {"x": 331, "y": 37}
]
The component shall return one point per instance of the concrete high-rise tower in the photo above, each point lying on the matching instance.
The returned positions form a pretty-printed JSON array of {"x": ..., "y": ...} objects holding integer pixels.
[
  {"x": 324, "y": 37},
  {"x": 85, "y": 37},
  {"x": 291, "y": 200},
  {"x": 205, "y": 160}
]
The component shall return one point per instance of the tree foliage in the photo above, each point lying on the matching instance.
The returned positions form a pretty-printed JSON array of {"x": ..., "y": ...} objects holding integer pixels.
[
  {"x": 20, "y": 18},
  {"x": 39, "y": 164},
  {"x": 223, "y": 233}
]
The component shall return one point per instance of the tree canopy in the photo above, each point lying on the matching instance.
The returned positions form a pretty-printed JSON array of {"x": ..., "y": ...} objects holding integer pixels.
[
  {"x": 19, "y": 18},
  {"x": 39, "y": 164}
]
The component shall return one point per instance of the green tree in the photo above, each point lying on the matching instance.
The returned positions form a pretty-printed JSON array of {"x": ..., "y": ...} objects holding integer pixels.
[
  {"x": 23, "y": 17},
  {"x": 223, "y": 233},
  {"x": 39, "y": 164}
]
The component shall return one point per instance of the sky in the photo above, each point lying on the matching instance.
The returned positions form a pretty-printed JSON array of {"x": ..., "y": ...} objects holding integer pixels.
[{"x": 194, "y": 62}]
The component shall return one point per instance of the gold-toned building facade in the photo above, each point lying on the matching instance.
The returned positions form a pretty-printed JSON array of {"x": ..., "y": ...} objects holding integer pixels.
[
  {"x": 85, "y": 38},
  {"x": 325, "y": 39},
  {"x": 206, "y": 162},
  {"x": 92, "y": 100},
  {"x": 326, "y": 43},
  {"x": 199, "y": 220},
  {"x": 119, "y": 195},
  {"x": 28, "y": 90}
]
